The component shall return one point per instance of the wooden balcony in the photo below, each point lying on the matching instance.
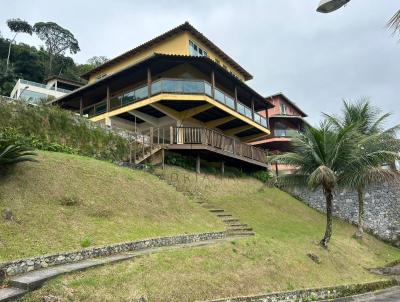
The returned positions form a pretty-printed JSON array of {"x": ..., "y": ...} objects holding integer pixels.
[{"x": 197, "y": 139}]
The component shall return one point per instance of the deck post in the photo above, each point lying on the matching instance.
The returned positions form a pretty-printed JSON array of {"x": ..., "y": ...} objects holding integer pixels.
[
  {"x": 149, "y": 81},
  {"x": 222, "y": 167},
  {"x": 81, "y": 106},
  {"x": 198, "y": 163},
  {"x": 213, "y": 83},
  {"x": 163, "y": 158},
  {"x": 236, "y": 98},
  {"x": 108, "y": 98},
  {"x": 276, "y": 169},
  {"x": 171, "y": 135}
]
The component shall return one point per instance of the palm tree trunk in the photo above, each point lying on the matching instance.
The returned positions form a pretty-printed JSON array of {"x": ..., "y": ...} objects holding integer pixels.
[
  {"x": 329, "y": 206},
  {"x": 361, "y": 197}
]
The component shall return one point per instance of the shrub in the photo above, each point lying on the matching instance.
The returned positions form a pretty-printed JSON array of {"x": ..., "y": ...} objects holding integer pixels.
[
  {"x": 70, "y": 201},
  {"x": 262, "y": 175},
  {"x": 86, "y": 242},
  {"x": 51, "y": 128}
]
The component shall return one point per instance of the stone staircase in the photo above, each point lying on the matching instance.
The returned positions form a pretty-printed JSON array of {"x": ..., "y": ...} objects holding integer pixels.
[{"x": 233, "y": 225}]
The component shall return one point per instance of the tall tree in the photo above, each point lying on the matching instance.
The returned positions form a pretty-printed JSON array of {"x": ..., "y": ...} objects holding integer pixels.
[
  {"x": 57, "y": 40},
  {"x": 17, "y": 26},
  {"x": 320, "y": 154},
  {"x": 97, "y": 61},
  {"x": 376, "y": 148}
]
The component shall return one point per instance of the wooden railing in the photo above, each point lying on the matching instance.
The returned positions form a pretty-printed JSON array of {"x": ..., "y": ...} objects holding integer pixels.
[{"x": 203, "y": 136}]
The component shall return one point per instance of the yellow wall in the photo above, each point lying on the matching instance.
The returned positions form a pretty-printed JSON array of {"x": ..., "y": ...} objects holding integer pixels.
[{"x": 178, "y": 45}]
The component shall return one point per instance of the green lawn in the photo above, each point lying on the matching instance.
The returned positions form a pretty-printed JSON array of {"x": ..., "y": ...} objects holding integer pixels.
[
  {"x": 273, "y": 260},
  {"x": 109, "y": 204}
]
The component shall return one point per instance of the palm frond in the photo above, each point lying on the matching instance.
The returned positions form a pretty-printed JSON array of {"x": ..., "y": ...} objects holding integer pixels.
[{"x": 394, "y": 23}]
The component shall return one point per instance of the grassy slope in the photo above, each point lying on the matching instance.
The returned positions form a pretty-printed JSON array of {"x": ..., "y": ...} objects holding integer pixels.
[
  {"x": 116, "y": 204},
  {"x": 275, "y": 259}
]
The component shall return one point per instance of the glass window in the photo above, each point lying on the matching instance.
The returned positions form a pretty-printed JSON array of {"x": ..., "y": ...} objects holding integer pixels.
[
  {"x": 240, "y": 108},
  {"x": 116, "y": 102},
  {"x": 219, "y": 96},
  {"x": 283, "y": 108},
  {"x": 156, "y": 87},
  {"x": 141, "y": 93},
  {"x": 193, "y": 87},
  {"x": 128, "y": 98},
  {"x": 100, "y": 108},
  {"x": 195, "y": 50},
  {"x": 208, "y": 89},
  {"x": 230, "y": 101}
]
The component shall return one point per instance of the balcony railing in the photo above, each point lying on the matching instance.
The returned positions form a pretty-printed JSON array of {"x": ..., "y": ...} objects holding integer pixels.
[
  {"x": 286, "y": 133},
  {"x": 176, "y": 86},
  {"x": 200, "y": 136},
  {"x": 44, "y": 86}
]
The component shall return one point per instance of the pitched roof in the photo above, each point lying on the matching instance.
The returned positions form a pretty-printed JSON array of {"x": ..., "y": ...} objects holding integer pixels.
[
  {"x": 179, "y": 29},
  {"x": 293, "y": 104}
]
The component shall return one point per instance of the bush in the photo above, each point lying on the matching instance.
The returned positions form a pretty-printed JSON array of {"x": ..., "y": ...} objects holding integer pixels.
[
  {"x": 262, "y": 175},
  {"x": 51, "y": 128},
  {"x": 86, "y": 242}
]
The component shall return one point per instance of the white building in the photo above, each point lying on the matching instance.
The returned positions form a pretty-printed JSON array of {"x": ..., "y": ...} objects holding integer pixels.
[{"x": 33, "y": 92}]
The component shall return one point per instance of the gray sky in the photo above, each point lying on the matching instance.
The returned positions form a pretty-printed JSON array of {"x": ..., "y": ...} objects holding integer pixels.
[{"x": 315, "y": 59}]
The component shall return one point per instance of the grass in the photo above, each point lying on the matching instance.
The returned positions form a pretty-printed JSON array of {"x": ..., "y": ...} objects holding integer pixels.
[
  {"x": 273, "y": 260},
  {"x": 65, "y": 201}
]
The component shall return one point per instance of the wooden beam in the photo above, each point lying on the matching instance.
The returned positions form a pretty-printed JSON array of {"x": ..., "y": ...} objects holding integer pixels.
[
  {"x": 252, "y": 108},
  {"x": 108, "y": 99},
  {"x": 143, "y": 116},
  {"x": 176, "y": 115},
  {"x": 81, "y": 106},
  {"x": 253, "y": 137},
  {"x": 193, "y": 111},
  {"x": 236, "y": 130},
  {"x": 198, "y": 163},
  {"x": 149, "y": 81},
  {"x": 213, "y": 83},
  {"x": 236, "y": 98},
  {"x": 220, "y": 121}
]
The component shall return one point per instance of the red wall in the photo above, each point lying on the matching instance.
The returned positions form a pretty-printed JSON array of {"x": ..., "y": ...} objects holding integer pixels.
[{"x": 276, "y": 101}]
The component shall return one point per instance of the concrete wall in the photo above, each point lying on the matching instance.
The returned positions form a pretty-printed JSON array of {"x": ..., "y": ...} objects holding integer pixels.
[{"x": 382, "y": 208}]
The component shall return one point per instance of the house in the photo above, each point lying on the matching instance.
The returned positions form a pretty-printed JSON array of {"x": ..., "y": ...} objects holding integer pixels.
[
  {"x": 180, "y": 92},
  {"x": 33, "y": 92},
  {"x": 286, "y": 120}
]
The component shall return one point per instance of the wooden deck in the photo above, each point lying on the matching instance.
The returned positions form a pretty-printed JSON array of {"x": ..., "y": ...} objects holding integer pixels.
[{"x": 202, "y": 140}]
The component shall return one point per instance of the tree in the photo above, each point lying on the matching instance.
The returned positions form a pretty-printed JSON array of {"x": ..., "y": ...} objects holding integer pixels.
[
  {"x": 97, "y": 61},
  {"x": 17, "y": 26},
  {"x": 57, "y": 40},
  {"x": 376, "y": 148},
  {"x": 320, "y": 154},
  {"x": 394, "y": 23}
]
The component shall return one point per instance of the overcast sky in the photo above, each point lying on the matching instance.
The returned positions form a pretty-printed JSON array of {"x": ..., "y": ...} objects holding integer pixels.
[{"x": 315, "y": 59}]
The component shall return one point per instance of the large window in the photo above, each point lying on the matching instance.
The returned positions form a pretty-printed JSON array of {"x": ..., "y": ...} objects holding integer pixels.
[
  {"x": 195, "y": 50},
  {"x": 283, "y": 108}
]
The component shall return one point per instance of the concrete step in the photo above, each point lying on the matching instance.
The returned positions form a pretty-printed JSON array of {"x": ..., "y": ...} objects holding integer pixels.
[
  {"x": 239, "y": 225},
  {"x": 216, "y": 210},
  {"x": 224, "y": 215},
  {"x": 240, "y": 233},
  {"x": 35, "y": 279},
  {"x": 238, "y": 229},
  {"x": 229, "y": 220},
  {"x": 11, "y": 293}
]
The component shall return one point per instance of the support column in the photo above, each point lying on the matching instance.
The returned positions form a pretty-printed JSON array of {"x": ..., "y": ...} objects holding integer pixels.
[
  {"x": 163, "y": 158},
  {"x": 236, "y": 98},
  {"x": 266, "y": 115},
  {"x": 198, "y": 163},
  {"x": 276, "y": 169},
  {"x": 149, "y": 81},
  {"x": 81, "y": 106},
  {"x": 108, "y": 99},
  {"x": 213, "y": 83},
  {"x": 223, "y": 167},
  {"x": 252, "y": 108}
]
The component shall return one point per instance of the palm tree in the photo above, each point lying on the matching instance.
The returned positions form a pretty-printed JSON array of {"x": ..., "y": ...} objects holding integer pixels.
[
  {"x": 394, "y": 23},
  {"x": 376, "y": 147},
  {"x": 12, "y": 154},
  {"x": 320, "y": 155}
]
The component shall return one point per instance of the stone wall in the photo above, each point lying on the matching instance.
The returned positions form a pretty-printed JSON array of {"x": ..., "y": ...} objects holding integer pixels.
[
  {"x": 314, "y": 294},
  {"x": 382, "y": 208},
  {"x": 25, "y": 265}
]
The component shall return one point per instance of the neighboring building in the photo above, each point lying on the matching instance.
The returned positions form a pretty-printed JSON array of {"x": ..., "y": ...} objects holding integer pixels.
[
  {"x": 33, "y": 92},
  {"x": 286, "y": 120},
  {"x": 182, "y": 93}
]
